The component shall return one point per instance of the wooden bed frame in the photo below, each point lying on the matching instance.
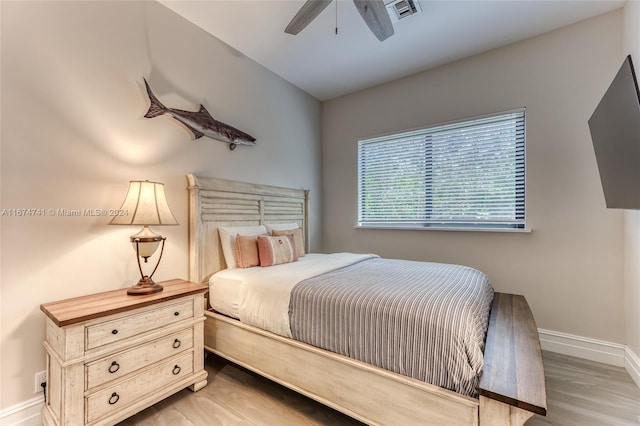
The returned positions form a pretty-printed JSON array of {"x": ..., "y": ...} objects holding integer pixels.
[{"x": 512, "y": 386}]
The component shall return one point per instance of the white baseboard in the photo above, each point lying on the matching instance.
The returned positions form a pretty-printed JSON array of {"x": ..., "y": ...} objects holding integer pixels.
[
  {"x": 592, "y": 349},
  {"x": 632, "y": 364},
  {"x": 583, "y": 347},
  {"x": 25, "y": 413}
]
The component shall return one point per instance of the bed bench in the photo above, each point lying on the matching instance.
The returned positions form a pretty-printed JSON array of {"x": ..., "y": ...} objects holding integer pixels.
[{"x": 513, "y": 372}]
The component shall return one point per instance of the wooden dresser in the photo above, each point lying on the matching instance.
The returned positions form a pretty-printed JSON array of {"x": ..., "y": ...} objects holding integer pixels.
[{"x": 110, "y": 355}]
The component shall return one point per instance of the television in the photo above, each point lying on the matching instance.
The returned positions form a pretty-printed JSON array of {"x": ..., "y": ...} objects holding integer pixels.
[{"x": 615, "y": 134}]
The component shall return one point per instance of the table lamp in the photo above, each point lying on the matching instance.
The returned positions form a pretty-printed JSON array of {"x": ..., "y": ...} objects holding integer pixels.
[{"x": 146, "y": 205}]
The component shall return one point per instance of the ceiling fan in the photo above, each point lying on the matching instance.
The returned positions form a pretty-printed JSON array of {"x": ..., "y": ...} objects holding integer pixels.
[{"x": 373, "y": 12}]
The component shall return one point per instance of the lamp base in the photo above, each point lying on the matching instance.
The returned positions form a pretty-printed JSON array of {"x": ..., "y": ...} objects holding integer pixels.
[{"x": 144, "y": 286}]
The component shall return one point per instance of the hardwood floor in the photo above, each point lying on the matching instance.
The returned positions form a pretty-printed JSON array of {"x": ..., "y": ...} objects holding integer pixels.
[
  {"x": 579, "y": 393},
  {"x": 586, "y": 393}
]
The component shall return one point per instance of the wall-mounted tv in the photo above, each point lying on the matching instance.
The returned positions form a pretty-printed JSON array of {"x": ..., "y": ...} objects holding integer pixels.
[{"x": 615, "y": 133}]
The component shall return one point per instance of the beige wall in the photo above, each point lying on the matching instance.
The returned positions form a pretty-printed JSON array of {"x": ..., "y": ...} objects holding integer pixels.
[
  {"x": 632, "y": 218},
  {"x": 73, "y": 135},
  {"x": 570, "y": 267}
]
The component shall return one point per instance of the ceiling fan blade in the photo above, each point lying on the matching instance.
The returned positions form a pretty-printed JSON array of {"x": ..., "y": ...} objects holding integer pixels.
[
  {"x": 375, "y": 15},
  {"x": 305, "y": 15}
]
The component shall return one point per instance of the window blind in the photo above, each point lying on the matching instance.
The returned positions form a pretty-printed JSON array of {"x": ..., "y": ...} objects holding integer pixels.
[{"x": 465, "y": 174}]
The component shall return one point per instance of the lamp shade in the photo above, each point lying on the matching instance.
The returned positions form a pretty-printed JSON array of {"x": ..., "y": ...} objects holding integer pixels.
[{"x": 145, "y": 204}]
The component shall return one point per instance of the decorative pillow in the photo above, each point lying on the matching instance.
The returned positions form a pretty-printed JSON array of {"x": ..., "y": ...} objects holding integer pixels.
[
  {"x": 281, "y": 226},
  {"x": 276, "y": 250},
  {"x": 297, "y": 238},
  {"x": 228, "y": 240},
  {"x": 247, "y": 250}
]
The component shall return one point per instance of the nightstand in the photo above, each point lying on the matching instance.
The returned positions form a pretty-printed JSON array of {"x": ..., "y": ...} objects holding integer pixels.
[{"x": 110, "y": 355}]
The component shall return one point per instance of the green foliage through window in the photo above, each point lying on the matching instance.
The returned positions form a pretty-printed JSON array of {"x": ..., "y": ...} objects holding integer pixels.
[{"x": 465, "y": 174}]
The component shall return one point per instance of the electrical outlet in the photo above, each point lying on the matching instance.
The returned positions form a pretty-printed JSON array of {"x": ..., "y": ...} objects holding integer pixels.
[{"x": 41, "y": 377}]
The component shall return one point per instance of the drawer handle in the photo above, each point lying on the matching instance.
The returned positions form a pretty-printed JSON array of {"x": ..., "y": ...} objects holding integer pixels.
[
  {"x": 176, "y": 343},
  {"x": 176, "y": 370},
  {"x": 114, "y": 398},
  {"x": 176, "y": 313},
  {"x": 114, "y": 331},
  {"x": 114, "y": 367}
]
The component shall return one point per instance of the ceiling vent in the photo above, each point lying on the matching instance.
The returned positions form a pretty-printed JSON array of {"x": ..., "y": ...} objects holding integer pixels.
[{"x": 400, "y": 9}]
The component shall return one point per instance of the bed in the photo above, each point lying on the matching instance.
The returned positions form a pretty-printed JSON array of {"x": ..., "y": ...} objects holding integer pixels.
[{"x": 510, "y": 388}]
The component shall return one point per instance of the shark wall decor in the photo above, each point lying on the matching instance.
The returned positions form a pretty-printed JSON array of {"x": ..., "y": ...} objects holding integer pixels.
[{"x": 201, "y": 123}]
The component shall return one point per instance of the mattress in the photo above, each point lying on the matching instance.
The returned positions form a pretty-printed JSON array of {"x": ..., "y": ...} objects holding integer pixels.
[
  {"x": 260, "y": 296},
  {"x": 423, "y": 320}
]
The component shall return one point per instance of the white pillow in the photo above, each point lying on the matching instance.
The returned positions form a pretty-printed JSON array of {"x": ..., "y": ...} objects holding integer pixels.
[
  {"x": 281, "y": 226},
  {"x": 228, "y": 241}
]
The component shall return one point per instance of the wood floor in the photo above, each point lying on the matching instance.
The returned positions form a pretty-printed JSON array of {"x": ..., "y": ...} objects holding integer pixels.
[{"x": 579, "y": 393}]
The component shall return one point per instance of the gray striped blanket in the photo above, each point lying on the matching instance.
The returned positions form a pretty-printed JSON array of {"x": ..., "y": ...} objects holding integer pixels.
[{"x": 423, "y": 320}]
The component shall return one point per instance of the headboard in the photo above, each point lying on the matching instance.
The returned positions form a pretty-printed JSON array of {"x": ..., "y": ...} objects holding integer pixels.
[{"x": 218, "y": 202}]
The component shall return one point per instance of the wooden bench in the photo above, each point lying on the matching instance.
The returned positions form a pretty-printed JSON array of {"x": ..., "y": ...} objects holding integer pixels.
[{"x": 513, "y": 372}]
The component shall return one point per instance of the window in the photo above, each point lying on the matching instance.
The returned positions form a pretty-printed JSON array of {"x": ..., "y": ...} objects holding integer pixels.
[{"x": 468, "y": 174}]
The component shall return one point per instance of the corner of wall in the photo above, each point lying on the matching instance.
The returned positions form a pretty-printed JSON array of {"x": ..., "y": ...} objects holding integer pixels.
[
  {"x": 632, "y": 365},
  {"x": 631, "y": 45},
  {"x": 632, "y": 280}
]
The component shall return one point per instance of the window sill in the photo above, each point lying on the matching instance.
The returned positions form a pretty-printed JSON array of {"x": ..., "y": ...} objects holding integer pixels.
[{"x": 444, "y": 228}]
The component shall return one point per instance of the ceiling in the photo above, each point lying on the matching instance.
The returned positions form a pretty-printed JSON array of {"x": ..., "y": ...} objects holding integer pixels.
[{"x": 327, "y": 65}]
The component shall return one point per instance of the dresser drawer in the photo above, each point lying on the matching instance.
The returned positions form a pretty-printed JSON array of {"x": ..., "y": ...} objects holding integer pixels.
[
  {"x": 110, "y": 355},
  {"x": 112, "y": 331},
  {"x": 126, "y": 392},
  {"x": 122, "y": 363}
]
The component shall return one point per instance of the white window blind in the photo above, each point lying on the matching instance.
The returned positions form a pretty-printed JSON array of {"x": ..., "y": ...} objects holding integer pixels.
[{"x": 469, "y": 174}]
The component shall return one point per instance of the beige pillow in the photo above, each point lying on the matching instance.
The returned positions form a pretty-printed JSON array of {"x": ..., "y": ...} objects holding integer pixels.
[
  {"x": 276, "y": 250},
  {"x": 228, "y": 240},
  {"x": 247, "y": 251},
  {"x": 298, "y": 239},
  {"x": 281, "y": 226}
]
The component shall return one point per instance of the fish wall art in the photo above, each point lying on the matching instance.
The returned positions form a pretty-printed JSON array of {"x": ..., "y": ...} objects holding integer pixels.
[{"x": 201, "y": 123}]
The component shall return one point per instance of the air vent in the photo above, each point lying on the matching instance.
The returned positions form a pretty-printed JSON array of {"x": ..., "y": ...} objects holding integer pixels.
[{"x": 400, "y": 9}]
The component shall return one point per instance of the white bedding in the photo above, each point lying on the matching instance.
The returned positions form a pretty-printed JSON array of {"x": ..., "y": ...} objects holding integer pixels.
[{"x": 260, "y": 296}]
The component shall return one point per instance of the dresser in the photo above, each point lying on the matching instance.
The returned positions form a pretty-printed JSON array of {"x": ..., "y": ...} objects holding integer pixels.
[{"x": 110, "y": 355}]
